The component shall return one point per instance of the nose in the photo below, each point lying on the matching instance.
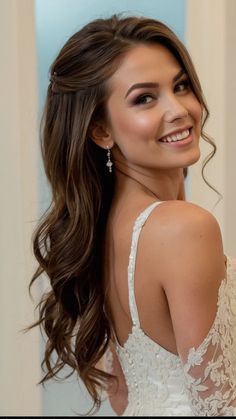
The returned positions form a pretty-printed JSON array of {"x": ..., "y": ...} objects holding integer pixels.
[{"x": 173, "y": 108}]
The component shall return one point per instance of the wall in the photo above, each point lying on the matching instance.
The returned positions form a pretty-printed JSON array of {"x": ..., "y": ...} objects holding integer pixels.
[
  {"x": 210, "y": 36},
  {"x": 19, "y": 359},
  {"x": 229, "y": 134}
]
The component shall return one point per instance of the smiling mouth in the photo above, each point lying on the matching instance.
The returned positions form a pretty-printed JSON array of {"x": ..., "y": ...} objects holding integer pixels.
[{"x": 180, "y": 136}]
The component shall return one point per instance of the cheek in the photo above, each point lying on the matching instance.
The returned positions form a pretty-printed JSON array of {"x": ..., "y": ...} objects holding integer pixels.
[
  {"x": 195, "y": 110},
  {"x": 133, "y": 124}
]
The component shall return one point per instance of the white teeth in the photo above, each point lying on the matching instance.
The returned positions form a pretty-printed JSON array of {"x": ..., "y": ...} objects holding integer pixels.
[{"x": 177, "y": 137}]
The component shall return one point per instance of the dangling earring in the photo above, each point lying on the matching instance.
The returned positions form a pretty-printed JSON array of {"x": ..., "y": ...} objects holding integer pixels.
[{"x": 109, "y": 162}]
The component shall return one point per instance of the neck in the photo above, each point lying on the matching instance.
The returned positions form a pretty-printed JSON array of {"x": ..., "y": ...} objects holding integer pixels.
[{"x": 166, "y": 186}]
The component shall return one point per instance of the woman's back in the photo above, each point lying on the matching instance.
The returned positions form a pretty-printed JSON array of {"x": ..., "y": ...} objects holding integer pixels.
[
  {"x": 153, "y": 370},
  {"x": 160, "y": 252},
  {"x": 150, "y": 297}
]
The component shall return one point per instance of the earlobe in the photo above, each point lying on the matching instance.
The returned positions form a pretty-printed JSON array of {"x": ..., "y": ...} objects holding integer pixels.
[{"x": 101, "y": 135}]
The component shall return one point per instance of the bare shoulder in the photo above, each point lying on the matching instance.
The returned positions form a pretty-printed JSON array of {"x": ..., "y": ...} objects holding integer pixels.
[
  {"x": 183, "y": 223},
  {"x": 187, "y": 256},
  {"x": 186, "y": 234},
  {"x": 183, "y": 214}
]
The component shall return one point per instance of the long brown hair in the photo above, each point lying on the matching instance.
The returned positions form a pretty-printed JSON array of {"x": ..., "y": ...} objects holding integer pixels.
[{"x": 68, "y": 240}]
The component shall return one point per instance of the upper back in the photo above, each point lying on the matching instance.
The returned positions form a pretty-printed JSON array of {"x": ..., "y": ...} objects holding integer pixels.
[
  {"x": 152, "y": 268},
  {"x": 148, "y": 295}
]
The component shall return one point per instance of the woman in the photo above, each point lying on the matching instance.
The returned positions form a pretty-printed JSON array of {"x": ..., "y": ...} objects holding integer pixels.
[{"x": 123, "y": 119}]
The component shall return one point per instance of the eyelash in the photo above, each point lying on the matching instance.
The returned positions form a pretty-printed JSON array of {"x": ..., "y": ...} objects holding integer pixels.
[
  {"x": 185, "y": 83},
  {"x": 139, "y": 99}
]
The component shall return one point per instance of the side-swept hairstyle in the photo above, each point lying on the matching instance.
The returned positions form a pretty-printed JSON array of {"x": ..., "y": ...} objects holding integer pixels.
[{"x": 68, "y": 242}]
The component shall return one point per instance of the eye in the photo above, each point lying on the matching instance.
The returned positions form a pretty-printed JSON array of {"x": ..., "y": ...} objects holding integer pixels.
[
  {"x": 182, "y": 86},
  {"x": 143, "y": 99}
]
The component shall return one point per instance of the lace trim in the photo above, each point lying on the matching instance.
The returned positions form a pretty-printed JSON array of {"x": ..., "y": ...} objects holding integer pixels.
[
  {"x": 108, "y": 361},
  {"x": 210, "y": 369},
  {"x": 140, "y": 221}
]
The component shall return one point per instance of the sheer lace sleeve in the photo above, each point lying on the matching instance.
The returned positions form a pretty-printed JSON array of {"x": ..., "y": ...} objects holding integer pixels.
[{"x": 210, "y": 370}]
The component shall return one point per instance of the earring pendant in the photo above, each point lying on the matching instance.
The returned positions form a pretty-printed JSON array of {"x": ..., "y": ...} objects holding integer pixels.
[{"x": 109, "y": 162}]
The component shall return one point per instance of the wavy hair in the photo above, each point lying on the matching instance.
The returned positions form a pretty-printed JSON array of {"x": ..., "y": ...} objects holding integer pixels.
[{"x": 68, "y": 242}]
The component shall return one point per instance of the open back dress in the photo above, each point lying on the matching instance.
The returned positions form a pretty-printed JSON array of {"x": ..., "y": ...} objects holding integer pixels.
[{"x": 159, "y": 383}]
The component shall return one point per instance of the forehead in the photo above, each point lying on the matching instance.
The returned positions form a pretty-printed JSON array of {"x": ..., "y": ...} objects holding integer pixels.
[{"x": 144, "y": 63}]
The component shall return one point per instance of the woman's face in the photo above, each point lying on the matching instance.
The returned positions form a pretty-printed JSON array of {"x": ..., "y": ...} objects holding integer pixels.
[{"x": 154, "y": 118}]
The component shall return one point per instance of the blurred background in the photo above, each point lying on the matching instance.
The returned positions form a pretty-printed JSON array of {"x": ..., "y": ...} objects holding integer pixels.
[{"x": 32, "y": 32}]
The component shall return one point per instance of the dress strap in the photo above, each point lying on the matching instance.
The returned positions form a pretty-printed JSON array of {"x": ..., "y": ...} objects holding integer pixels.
[{"x": 139, "y": 222}]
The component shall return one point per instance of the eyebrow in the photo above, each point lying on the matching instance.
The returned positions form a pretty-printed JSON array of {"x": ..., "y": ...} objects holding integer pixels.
[{"x": 151, "y": 85}]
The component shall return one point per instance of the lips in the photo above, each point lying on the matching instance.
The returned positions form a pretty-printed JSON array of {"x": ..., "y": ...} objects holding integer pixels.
[
  {"x": 176, "y": 144},
  {"x": 176, "y": 136}
]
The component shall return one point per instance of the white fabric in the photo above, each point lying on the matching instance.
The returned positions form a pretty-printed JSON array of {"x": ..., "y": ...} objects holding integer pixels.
[{"x": 158, "y": 383}]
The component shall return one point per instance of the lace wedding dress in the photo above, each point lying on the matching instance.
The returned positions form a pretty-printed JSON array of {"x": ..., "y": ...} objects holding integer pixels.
[{"x": 159, "y": 384}]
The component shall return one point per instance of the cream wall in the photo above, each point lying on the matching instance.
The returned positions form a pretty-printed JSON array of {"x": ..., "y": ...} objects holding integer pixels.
[
  {"x": 211, "y": 37},
  {"x": 230, "y": 131},
  {"x": 19, "y": 353}
]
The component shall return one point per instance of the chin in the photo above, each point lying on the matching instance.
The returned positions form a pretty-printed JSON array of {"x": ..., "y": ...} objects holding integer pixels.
[{"x": 194, "y": 157}]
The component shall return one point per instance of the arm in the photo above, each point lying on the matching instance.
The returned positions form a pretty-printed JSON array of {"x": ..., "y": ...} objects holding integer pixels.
[
  {"x": 192, "y": 280},
  {"x": 117, "y": 390},
  {"x": 194, "y": 274}
]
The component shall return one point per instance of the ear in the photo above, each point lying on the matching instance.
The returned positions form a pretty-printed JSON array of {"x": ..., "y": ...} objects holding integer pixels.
[{"x": 100, "y": 134}]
